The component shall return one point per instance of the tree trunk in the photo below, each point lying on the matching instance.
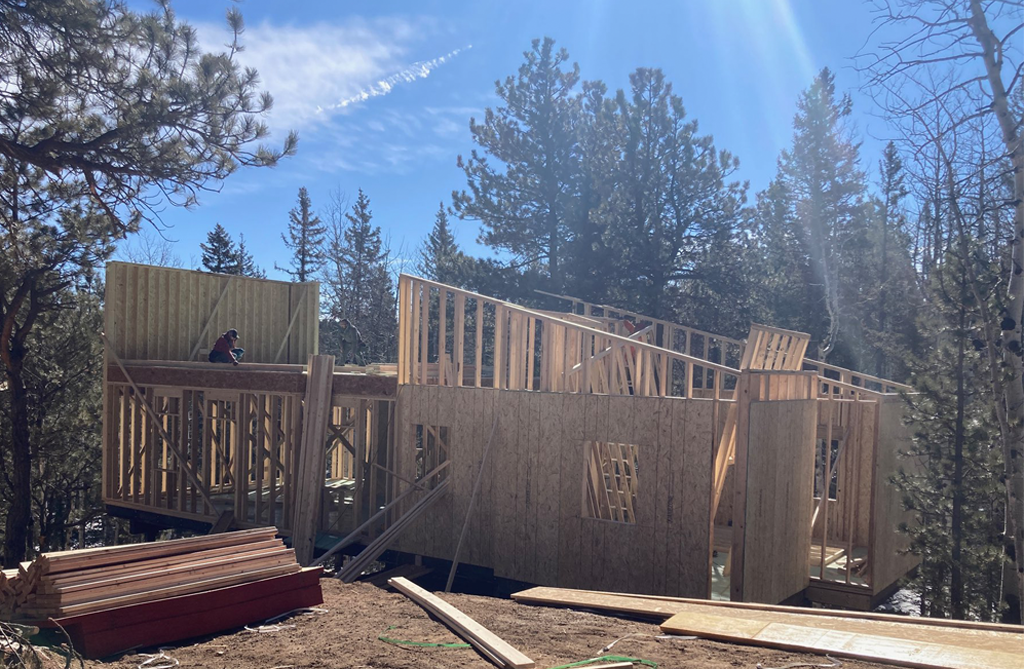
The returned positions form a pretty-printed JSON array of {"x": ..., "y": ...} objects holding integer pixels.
[
  {"x": 17, "y": 530},
  {"x": 956, "y": 575},
  {"x": 882, "y": 315},
  {"x": 1013, "y": 396}
]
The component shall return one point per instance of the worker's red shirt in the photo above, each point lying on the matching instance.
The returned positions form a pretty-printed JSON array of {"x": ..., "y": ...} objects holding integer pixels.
[{"x": 223, "y": 345}]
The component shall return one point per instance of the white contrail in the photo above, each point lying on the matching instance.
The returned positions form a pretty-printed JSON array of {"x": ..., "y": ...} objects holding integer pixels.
[{"x": 420, "y": 70}]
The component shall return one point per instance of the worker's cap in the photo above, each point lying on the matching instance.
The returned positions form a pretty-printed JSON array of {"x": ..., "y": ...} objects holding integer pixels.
[
  {"x": 233, "y": 333},
  {"x": 345, "y": 321}
]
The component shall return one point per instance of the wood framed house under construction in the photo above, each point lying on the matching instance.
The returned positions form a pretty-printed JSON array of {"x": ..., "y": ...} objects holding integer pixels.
[{"x": 597, "y": 448}]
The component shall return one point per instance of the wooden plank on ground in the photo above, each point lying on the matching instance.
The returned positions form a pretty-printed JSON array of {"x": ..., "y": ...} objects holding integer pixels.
[
  {"x": 873, "y": 648},
  {"x": 492, "y": 646},
  {"x": 979, "y": 636},
  {"x": 806, "y": 611}
]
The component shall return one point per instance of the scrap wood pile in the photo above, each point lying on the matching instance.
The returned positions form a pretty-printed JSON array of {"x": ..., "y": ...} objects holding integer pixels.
[
  {"x": 925, "y": 643},
  {"x": 156, "y": 592}
]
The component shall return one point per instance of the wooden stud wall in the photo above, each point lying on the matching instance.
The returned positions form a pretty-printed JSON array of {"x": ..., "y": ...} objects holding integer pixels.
[
  {"x": 529, "y": 521},
  {"x": 247, "y": 435},
  {"x": 161, "y": 313},
  {"x": 451, "y": 337}
]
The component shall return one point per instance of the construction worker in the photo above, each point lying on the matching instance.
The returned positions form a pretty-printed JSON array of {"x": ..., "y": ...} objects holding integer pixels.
[
  {"x": 351, "y": 344},
  {"x": 225, "y": 350}
]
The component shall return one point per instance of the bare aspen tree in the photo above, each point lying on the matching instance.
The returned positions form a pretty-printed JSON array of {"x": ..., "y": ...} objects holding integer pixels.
[{"x": 946, "y": 65}]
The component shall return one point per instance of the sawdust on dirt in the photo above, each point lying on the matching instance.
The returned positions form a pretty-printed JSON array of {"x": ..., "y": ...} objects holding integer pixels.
[{"x": 347, "y": 636}]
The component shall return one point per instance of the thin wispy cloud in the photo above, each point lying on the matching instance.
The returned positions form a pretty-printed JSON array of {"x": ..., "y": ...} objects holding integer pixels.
[
  {"x": 307, "y": 67},
  {"x": 420, "y": 70},
  {"x": 320, "y": 74}
]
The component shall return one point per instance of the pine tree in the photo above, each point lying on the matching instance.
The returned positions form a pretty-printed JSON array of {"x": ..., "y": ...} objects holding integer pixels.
[
  {"x": 219, "y": 254},
  {"x": 306, "y": 240},
  {"x": 670, "y": 201},
  {"x": 83, "y": 162},
  {"x": 358, "y": 280},
  {"x": 890, "y": 305},
  {"x": 950, "y": 480},
  {"x": 525, "y": 207},
  {"x": 827, "y": 216},
  {"x": 440, "y": 258},
  {"x": 244, "y": 264}
]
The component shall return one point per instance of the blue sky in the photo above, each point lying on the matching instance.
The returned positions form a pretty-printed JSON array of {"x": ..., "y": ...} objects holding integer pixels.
[{"x": 381, "y": 93}]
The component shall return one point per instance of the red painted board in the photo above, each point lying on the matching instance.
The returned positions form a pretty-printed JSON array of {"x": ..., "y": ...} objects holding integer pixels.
[
  {"x": 116, "y": 630},
  {"x": 158, "y": 609},
  {"x": 199, "y": 623}
]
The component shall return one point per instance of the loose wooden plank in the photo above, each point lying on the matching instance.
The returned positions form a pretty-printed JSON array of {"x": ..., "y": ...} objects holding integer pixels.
[
  {"x": 486, "y": 641},
  {"x": 901, "y": 652},
  {"x": 635, "y": 605}
]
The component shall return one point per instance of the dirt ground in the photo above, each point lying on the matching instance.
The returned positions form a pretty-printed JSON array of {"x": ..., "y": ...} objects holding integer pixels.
[{"x": 346, "y": 636}]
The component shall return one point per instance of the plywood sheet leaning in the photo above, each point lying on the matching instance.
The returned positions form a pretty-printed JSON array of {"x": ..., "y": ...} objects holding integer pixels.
[
  {"x": 876, "y": 647},
  {"x": 489, "y": 644}
]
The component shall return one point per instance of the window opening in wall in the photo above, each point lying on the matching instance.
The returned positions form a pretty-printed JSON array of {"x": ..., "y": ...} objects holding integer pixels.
[
  {"x": 431, "y": 448},
  {"x": 610, "y": 481}
]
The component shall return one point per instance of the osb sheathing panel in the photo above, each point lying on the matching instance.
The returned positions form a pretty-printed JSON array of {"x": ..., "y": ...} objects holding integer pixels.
[
  {"x": 780, "y": 464},
  {"x": 887, "y": 564},
  {"x": 161, "y": 313},
  {"x": 528, "y": 524}
]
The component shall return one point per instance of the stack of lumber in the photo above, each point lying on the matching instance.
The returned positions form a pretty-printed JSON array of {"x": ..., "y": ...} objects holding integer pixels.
[
  {"x": 117, "y": 598},
  {"x": 70, "y": 583},
  {"x": 898, "y": 640}
]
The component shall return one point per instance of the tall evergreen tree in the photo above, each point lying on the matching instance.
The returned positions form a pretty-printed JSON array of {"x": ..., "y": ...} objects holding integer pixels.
[
  {"x": 244, "y": 263},
  {"x": 219, "y": 254},
  {"x": 359, "y": 284},
  {"x": 440, "y": 258},
  {"x": 671, "y": 200},
  {"x": 305, "y": 238},
  {"x": 827, "y": 217},
  {"x": 890, "y": 302},
  {"x": 950, "y": 481},
  {"x": 521, "y": 188},
  {"x": 108, "y": 114}
]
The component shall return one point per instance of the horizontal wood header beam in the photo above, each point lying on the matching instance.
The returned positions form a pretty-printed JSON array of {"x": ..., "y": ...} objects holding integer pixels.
[{"x": 250, "y": 378}]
